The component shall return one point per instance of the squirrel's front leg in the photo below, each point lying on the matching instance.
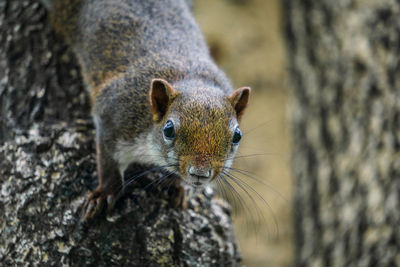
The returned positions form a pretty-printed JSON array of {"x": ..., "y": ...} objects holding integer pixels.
[{"x": 110, "y": 184}]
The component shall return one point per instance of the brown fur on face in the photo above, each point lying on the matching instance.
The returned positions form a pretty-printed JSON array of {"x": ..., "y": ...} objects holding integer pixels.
[
  {"x": 204, "y": 130},
  {"x": 204, "y": 120}
]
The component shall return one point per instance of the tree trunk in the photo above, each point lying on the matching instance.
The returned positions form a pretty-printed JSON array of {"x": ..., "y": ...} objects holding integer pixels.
[
  {"x": 345, "y": 106},
  {"x": 47, "y": 165}
]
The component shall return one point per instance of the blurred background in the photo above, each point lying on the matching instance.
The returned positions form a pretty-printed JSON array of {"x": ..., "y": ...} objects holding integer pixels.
[{"x": 245, "y": 38}]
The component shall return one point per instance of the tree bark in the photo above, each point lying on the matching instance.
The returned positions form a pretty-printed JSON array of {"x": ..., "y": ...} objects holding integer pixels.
[
  {"x": 47, "y": 165},
  {"x": 345, "y": 107}
]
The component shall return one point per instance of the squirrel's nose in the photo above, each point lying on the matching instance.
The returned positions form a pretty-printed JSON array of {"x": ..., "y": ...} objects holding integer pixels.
[{"x": 202, "y": 173}]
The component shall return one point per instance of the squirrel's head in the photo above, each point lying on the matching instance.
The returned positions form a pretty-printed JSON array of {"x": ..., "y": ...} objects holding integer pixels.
[{"x": 197, "y": 130}]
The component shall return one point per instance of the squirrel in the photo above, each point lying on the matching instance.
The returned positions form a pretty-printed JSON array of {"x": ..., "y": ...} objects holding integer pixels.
[{"x": 157, "y": 97}]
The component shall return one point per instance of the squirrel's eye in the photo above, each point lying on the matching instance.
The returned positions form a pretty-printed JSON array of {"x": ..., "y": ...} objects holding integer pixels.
[
  {"x": 169, "y": 130},
  {"x": 237, "y": 135}
]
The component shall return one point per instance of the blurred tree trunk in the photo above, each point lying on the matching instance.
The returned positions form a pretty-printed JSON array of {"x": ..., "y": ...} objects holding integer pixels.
[
  {"x": 345, "y": 106},
  {"x": 47, "y": 165}
]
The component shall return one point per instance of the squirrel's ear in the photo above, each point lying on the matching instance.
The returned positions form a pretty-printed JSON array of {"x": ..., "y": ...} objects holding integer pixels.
[
  {"x": 161, "y": 93},
  {"x": 239, "y": 100}
]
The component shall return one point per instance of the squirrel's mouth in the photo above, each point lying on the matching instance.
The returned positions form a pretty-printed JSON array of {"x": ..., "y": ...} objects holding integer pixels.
[
  {"x": 198, "y": 172},
  {"x": 197, "y": 181}
]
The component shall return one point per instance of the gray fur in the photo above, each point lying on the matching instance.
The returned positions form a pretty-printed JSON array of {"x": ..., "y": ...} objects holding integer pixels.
[{"x": 122, "y": 46}]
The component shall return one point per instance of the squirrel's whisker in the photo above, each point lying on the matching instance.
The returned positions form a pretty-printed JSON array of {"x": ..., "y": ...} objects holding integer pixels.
[
  {"x": 251, "y": 176},
  {"x": 234, "y": 194},
  {"x": 243, "y": 185},
  {"x": 256, "y": 127},
  {"x": 251, "y": 155},
  {"x": 260, "y": 216},
  {"x": 237, "y": 197},
  {"x": 156, "y": 182},
  {"x": 134, "y": 178}
]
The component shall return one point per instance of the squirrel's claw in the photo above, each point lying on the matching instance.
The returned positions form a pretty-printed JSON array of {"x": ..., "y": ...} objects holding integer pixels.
[
  {"x": 92, "y": 207},
  {"x": 111, "y": 200},
  {"x": 94, "y": 204}
]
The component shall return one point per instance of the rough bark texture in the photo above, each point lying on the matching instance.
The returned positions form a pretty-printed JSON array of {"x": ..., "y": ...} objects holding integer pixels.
[
  {"x": 47, "y": 165},
  {"x": 345, "y": 102}
]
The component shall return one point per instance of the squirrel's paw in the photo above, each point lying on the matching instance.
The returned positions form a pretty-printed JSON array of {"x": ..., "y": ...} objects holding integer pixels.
[
  {"x": 178, "y": 198},
  {"x": 95, "y": 202}
]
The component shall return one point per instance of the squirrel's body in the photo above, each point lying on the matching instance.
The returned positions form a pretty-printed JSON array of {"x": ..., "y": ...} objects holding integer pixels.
[
  {"x": 133, "y": 51},
  {"x": 113, "y": 37}
]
